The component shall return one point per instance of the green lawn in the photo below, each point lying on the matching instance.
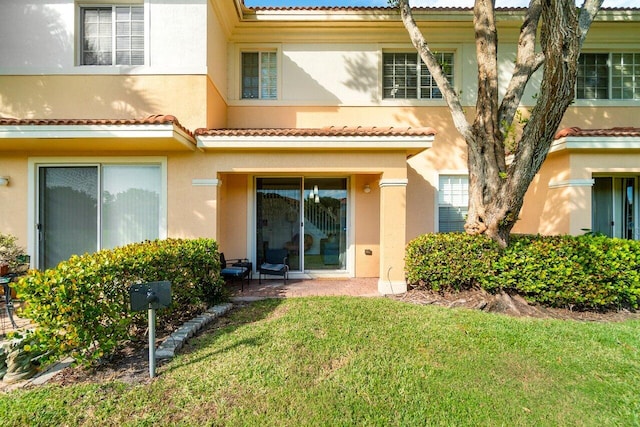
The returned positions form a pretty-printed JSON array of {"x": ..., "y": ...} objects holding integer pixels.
[{"x": 354, "y": 361}]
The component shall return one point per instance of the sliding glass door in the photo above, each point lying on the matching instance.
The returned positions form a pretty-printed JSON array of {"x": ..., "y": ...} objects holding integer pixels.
[
  {"x": 325, "y": 223},
  {"x": 86, "y": 208},
  {"x": 613, "y": 209},
  {"x": 68, "y": 213},
  {"x": 305, "y": 216}
]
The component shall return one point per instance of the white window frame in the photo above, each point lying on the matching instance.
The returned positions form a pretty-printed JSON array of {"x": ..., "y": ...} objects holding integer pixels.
[
  {"x": 260, "y": 51},
  {"x": 113, "y": 5},
  {"x": 420, "y": 67},
  {"x": 438, "y": 195},
  {"x": 34, "y": 163},
  {"x": 610, "y": 76}
]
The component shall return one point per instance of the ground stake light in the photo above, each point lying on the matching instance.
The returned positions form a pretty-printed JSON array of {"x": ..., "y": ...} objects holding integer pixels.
[{"x": 150, "y": 296}]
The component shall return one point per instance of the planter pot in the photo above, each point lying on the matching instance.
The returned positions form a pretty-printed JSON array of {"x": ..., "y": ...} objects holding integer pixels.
[{"x": 4, "y": 269}]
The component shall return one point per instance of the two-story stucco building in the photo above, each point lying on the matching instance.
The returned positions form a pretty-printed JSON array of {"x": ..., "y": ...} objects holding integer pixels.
[{"x": 312, "y": 129}]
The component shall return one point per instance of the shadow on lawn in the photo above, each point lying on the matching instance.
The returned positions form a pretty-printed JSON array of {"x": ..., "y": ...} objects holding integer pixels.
[{"x": 241, "y": 315}]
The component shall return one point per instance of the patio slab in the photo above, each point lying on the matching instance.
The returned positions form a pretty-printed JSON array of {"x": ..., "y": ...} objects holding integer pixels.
[{"x": 276, "y": 288}]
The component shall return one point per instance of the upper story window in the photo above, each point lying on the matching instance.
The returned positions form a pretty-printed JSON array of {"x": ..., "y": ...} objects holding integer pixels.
[
  {"x": 405, "y": 76},
  {"x": 608, "y": 76},
  {"x": 259, "y": 75},
  {"x": 112, "y": 35},
  {"x": 453, "y": 202}
]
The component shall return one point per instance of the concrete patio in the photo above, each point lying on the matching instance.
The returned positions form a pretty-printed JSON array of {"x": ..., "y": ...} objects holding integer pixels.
[{"x": 276, "y": 288}]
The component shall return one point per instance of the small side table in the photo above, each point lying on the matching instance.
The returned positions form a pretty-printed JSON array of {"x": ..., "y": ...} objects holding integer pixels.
[{"x": 8, "y": 304}]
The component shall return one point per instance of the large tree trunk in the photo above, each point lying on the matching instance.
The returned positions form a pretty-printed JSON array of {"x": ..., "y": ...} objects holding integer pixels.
[{"x": 497, "y": 189}]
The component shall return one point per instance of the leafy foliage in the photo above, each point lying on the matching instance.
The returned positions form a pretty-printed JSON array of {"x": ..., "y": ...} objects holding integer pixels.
[
  {"x": 584, "y": 272},
  {"x": 449, "y": 261},
  {"x": 11, "y": 253},
  {"x": 81, "y": 307}
]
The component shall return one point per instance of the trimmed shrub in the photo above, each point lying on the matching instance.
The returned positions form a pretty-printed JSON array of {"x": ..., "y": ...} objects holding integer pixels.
[
  {"x": 449, "y": 261},
  {"x": 81, "y": 307},
  {"x": 582, "y": 272}
]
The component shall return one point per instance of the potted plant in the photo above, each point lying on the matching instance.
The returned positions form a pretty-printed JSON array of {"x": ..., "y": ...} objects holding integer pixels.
[{"x": 12, "y": 257}]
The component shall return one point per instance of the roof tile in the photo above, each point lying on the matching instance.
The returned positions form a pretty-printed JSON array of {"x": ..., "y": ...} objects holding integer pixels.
[
  {"x": 610, "y": 132},
  {"x": 157, "y": 119},
  {"x": 331, "y": 131}
]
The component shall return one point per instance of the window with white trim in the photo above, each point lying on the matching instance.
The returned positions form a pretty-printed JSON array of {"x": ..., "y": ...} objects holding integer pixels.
[
  {"x": 88, "y": 207},
  {"x": 259, "y": 75},
  {"x": 405, "y": 76},
  {"x": 112, "y": 35},
  {"x": 608, "y": 76},
  {"x": 453, "y": 202}
]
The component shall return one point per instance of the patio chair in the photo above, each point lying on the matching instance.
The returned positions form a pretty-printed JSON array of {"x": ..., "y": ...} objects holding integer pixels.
[
  {"x": 239, "y": 268},
  {"x": 274, "y": 264}
]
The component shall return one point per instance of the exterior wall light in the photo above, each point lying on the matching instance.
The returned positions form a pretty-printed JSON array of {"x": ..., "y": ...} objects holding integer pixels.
[
  {"x": 4, "y": 181},
  {"x": 367, "y": 189}
]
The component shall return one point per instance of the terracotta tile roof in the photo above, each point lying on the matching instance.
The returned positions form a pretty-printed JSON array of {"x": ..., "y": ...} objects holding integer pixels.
[
  {"x": 157, "y": 119},
  {"x": 390, "y": 8},
  {"x": 331, "y": 131},
  {"x": 577, "y": 132}
]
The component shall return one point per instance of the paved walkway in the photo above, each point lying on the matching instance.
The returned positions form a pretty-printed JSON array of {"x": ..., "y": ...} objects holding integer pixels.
[
  {"x": 5, "y": 323},
  {"x": 276, "y": 288}
]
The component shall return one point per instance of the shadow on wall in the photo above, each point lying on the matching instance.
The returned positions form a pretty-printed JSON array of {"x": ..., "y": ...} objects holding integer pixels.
[
  {"x": 26, "y": 48},
  {"x": 45, "y": 50},
  {"x": 363, "y": 76}
]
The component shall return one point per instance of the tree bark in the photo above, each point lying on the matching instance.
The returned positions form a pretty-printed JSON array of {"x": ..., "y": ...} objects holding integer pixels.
[{"x": 497, "y": 189}]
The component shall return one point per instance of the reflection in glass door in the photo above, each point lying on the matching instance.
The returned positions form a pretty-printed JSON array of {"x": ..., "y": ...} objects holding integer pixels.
[
  {"x": 613, "y": 208},
  {"x": 278, "y": 220},
  {"x": 306, "y": 216},
  {"x": 68, "y": 213},
  {"x": 325, "y": 223}
]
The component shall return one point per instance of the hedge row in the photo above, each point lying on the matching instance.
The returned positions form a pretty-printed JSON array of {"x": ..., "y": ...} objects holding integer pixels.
[
  {"x": 82, "y": 306},
  {"x": 584, "y": 272}
]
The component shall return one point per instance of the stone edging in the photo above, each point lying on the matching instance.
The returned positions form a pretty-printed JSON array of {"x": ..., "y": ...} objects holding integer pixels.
[
  {"x": 174, "y": 342},
  {"x": 166, "y": 350}
]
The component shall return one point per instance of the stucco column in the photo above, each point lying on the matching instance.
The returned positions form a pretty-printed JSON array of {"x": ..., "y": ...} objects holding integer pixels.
[
  {"x": 393, "y": 224},
  {"x": 205, "y": 198}
]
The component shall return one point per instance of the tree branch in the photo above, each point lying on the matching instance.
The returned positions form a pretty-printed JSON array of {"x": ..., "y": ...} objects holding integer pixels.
[
  {"x": 486, "y": 37},
  {"x": 527, "y": 62},
  {"x": 448, "y": 92},
  {"x": 588, "y": 13}
]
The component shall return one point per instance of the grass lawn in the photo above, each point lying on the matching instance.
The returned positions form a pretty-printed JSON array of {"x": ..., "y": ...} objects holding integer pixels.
[{"x": 353, "y": 361}]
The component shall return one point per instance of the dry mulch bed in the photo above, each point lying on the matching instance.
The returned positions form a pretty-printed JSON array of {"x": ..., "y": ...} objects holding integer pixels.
[{"x": 512, "y": 305}]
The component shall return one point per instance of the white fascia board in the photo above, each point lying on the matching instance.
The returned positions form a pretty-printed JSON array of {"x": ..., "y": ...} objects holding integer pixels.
[
  {"x": 140, "y": 131},
  {"x": 596, "y": 143},
  {"x": 310, "y": 143}
]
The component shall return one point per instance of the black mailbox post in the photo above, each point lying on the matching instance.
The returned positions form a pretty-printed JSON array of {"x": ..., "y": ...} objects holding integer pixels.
[{"x": 150, "y": 296}]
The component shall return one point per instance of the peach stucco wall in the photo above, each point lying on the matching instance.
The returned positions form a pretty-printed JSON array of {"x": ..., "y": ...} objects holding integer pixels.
[
  {"x": 216, "y": 108},
  {"x": 367, "y": 225},
  {"x": 233, "y": 233},
  {"x": 13, "y": 198},
  {"x": 546, "y": 210},
  {"x": 105, "y": 97}
]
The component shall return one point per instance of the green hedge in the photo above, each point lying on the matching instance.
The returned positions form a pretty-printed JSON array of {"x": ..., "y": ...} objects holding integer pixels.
[
  {"x": 82, "y": 309},
  {"x": 582, "y": 272},
  {"x": 449, "y": 261}
]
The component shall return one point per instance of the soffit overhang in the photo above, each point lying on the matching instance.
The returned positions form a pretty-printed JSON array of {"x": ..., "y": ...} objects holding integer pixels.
[
  {"x": 612, "y": 139},
  {"x": 409, "y": 140},
  {"x": 155, "y": 133}
]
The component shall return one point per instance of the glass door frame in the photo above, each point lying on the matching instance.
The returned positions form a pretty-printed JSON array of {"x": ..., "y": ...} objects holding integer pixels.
[
  {"x": 39, "y": 241},
  {"x": 618, "y": 202},
  {"x": 33, "y": 190},
  {"x": 303, "y": 272}
]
